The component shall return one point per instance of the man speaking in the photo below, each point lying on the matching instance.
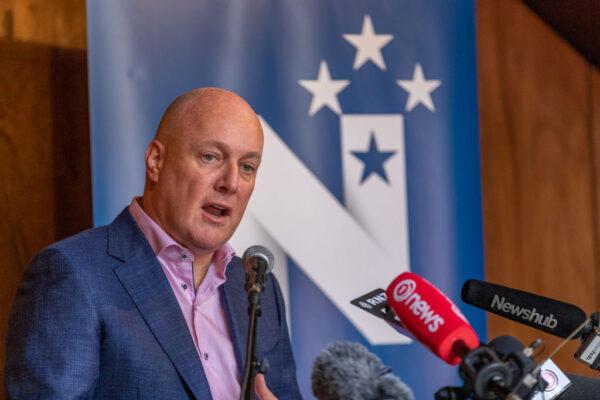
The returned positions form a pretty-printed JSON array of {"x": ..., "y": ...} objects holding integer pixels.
[{"x": 153, "y": 306}]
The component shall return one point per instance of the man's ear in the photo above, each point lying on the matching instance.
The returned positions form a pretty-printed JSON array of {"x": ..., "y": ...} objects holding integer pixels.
[{"x": 155, "y": 155}]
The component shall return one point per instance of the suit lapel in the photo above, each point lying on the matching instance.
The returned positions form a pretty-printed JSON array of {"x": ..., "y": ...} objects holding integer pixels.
[
  {"x": 142, "y": 277},
  {"x": 236, "y": 310}
]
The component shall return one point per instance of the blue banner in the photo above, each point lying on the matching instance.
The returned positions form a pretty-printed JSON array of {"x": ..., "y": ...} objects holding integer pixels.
[{"x": 371, "y": 160}]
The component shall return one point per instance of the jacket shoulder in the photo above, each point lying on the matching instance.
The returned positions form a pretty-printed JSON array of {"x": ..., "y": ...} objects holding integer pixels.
[{"x": 86, "y": 242}]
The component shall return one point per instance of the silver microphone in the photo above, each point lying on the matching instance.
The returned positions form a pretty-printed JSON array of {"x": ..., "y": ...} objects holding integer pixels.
[{"x": 258, "y": 262}]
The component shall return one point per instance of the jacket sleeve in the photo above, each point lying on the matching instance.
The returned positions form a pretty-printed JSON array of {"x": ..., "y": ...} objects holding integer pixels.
[
  {"x": 53, "y": 338},
  {"x": 286, "y": 372}
]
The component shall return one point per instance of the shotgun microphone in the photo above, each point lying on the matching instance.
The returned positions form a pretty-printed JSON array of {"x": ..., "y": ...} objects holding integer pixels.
[{"x": 551, "y": 316}]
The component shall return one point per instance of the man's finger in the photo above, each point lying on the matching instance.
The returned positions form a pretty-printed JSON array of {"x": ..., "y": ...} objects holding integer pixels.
[{"x": 262, "y": 391}]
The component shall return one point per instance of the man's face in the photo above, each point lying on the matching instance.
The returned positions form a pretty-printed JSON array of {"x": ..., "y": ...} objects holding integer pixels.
[{"x": 206, "y": 176}]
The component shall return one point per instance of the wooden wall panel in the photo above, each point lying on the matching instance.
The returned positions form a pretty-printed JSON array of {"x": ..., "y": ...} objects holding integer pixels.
[
  {"x": 537, "y": 169},
  {"x": 70, "y": 142},
  {"x": 45, "y": 189},
  {"x": 594, "y": 122},
  {"x": 26, "y": 181},
  {"x": 59, "y": 23},
  {"x": 6, "y": 18}
]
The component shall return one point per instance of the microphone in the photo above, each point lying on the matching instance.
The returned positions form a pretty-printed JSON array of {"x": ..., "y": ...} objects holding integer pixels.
[
  {"x": 551, "y": 316},
  {"x": 348, "y": 370},
  {"x": 579, "y": 388},
  {"x": 437, "y": 323},
  {"x": 512, "y": 352},
  {"x": 258, "y": 262},
  {"x": 582, "y": 388},
  {"x": 431, "y": 317}
]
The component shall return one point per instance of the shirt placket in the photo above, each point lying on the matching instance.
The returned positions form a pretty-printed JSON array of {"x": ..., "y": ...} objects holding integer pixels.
[{"x": 203, "y": 295}]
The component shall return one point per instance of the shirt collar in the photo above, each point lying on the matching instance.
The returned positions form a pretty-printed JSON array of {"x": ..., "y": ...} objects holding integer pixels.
[{"x": 165, "y": 246}]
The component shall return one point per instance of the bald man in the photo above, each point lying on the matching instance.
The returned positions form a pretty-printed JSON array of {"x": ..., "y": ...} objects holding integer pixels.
[{"x": 153, "y": 306}]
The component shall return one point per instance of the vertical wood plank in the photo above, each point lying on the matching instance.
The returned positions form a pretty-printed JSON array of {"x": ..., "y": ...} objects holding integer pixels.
[
  {"x": 594, "y": 121},
  {"x": 26, "y": 165},
  {"x": 70, "y": 142},
  {"x": 536, "y": 165},
  {"x": 45, "y": 189}
]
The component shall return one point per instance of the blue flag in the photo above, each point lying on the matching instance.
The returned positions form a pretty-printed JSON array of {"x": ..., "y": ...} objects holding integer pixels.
[{"x": 371, "y": 159}]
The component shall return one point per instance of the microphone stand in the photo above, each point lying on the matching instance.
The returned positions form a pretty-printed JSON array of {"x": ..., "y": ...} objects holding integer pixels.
[{"x": 254, "y": 312}]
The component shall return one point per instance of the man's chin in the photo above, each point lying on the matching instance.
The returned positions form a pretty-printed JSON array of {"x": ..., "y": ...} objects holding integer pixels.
[{"x": 204, "y": 245}]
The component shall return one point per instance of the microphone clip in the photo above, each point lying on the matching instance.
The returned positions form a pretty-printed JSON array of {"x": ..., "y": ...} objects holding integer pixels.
[
  {"x": 489, "y": 377},
  {"x": 589, "y": 351}
]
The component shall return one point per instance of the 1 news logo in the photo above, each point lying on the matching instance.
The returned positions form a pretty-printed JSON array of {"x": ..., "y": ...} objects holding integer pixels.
[
  {"x": 404, "y": 293},
  {"x": 404, "y": 289}
]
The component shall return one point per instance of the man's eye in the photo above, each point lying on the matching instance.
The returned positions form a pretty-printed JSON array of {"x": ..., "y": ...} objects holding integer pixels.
[
  {"x": 209, "y": 157},
  {"x": 248, "y": 168}
]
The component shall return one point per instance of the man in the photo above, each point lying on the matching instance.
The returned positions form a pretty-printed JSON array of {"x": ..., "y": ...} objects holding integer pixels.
[{"x": 153, "y": 306}]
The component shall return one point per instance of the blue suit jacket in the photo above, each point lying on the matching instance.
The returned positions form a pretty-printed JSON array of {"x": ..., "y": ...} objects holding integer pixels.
[{"x": 95, "y": 318}]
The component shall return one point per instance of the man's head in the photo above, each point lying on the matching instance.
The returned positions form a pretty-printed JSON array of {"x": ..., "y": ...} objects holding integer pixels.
[{"x": 201, "y": 167}]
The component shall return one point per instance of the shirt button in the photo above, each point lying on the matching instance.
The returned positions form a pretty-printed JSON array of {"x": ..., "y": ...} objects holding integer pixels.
[
  {"x": 184, "y": 286},
  {"x": 206, "y": 356},
  {"x": 184, "y": 255}
]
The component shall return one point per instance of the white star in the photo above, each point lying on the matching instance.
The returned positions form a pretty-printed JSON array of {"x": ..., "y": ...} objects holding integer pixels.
[
  {"x": 368, "y": 45},
  {"x": 324, "y": 90},
  {"x": 419, "y": 90}
]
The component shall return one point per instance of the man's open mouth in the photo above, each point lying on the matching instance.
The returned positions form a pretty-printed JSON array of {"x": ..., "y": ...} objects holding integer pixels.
[{"x": 217, "y": 210}]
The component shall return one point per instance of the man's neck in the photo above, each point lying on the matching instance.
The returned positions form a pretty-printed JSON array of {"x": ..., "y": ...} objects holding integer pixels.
[
  {"x": 201, "y": 261},
  {"x": 201, "y": 264}
]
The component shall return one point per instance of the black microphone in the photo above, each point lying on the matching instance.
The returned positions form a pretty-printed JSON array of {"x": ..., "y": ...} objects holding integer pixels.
[
  {"x": 581, "y": 388},
  {"x": 348, "y": 371},
  {"x": 551, "y": 316},
  {"x": 258, "y": 262}
]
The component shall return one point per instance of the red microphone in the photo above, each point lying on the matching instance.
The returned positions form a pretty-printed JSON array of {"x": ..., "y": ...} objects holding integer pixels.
[{"x": 431, "y": 317}]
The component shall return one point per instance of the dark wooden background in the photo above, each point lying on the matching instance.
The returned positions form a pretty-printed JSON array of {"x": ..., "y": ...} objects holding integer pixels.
[{"x": 539, "y": 104}]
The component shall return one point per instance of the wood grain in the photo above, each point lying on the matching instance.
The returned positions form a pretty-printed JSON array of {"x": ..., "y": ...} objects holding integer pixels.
[
  {"x": 537, "y": 165},
  {"x": 26, "y": 158},
  {"x": 45, "y": 191},
  {"x": 594, "y": 126},
  {"x": 70, "y": 142},
  {"x": 58, "y": 23}
]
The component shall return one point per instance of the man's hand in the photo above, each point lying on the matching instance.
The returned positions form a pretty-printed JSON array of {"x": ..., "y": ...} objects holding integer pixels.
[{"x": 262, "y": 391}]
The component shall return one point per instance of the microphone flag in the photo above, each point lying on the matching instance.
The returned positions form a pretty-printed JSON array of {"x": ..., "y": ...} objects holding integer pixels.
[{"x": 371, "y": 159}]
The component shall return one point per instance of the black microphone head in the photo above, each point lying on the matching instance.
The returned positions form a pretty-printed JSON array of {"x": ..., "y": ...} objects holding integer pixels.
[
  {"x": 258, "y": 253},
  {"x": 504, "y": 345},
  {"x": 552, "y": 316},
  {"x": 348, "y": 371},
  {"x": 582, "y": 388}
]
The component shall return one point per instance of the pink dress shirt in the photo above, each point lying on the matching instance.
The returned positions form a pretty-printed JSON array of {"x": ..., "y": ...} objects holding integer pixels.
[{"x": 202, "y": 309}]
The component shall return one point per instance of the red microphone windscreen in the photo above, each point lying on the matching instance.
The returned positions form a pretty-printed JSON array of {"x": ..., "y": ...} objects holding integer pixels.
[{"x": 431, "y": 317}]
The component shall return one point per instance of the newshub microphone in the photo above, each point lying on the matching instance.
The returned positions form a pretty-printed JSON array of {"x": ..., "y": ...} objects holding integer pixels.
[
  {"x": 348, "y": 371},
  {"x": 431, "y": 317},
  {"x": 552, "y": 316}
]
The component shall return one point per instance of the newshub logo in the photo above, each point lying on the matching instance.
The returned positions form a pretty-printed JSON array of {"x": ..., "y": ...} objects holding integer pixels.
[{"x": 527, "y": 314}]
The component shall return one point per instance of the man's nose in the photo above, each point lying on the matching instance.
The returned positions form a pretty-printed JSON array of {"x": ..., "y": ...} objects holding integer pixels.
[{"x": 229, "y": 179}]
